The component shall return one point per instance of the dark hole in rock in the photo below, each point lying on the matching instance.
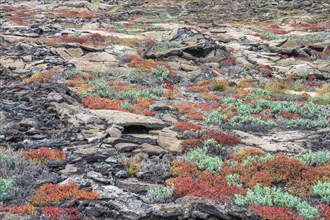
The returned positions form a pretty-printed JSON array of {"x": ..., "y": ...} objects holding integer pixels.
[
  {"x": 199, "y": 52},
  {"x": 136, "y": 129}
]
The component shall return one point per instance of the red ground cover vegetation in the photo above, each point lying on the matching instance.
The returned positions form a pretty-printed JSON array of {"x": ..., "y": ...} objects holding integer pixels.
[
  {"x": 55, "y": 213},
  {"x": 296, "y": 177},
  {"x": 185, "y": 126},
  {"x": 43, "y": 155},
  {"x": 146, "y": 65},
  {"x": 93, "y": 102},
  {"x": 275, "y": 213},
  {"x": 191, "y": 182},
  {"x": 53, "y": 194}
]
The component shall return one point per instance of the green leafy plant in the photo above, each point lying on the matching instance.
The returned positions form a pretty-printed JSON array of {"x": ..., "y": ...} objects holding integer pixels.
[
  {"x": 5, "y": 187},
  {"x": 204, "y": 161},
  {"x": 161, "y": 73},
  {"x": 213, "y": 146},
  {"x": 276, "y": 197},
  {"x": 323, "y": 190},
  {"x": 261, "y": 159},
  {"x": 167, "y": 45},
  {"x": 315, "y": 158},
  {"x": 216, "y": 117},
  {"x": 101, "y": 89},
  {"x": 233, "y": 180},
  {"x": 126, "y": 105},
  {"x": 160, "y": 194},
  {"x": 68, "y": 74}
]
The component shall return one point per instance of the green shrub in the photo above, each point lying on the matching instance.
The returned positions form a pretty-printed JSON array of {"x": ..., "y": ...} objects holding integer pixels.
[
  {"x": 276, "y": 197},
  {"x": 68, "y": 74},
  {"x": 134, "y": 95},
  {"x": 160, "y": 194},
  {"x": 307, "y": 123},
  {"x": 204, "y": 161},
  {"x": 261, "y": 159},
  {"x": 307, "y": 211},
  {"x": 126, "y": 105},
  {"x": 167, "y": 45},
  {"x": 161, "y": 73},
  {"x": 315, "y": 158},
  {"x": 101, "y": 89},
  {"x": 240, "y": 120},
  {"x": 233, "y": 180},
  {"x": 213, "y": 146},
  {"x": 322, "y": 190},
  {"x": 5, "y": 187},
  {"x": 259, "y": 92},
  {"x": 216, "y": 117},
  {"x": 321, "y": 100}
]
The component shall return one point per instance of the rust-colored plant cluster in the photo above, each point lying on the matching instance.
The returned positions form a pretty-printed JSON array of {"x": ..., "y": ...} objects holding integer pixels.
[
  {"x": 19, "y": 15},
  {"x": 20, "y": 210},
  {"x": 55, "y": 213},
  {"x": 146, "y": 65},
  {"x": 46, "y": 76},
  {"x": 197, "y": 138},
  {"x": 312, "y": 26},
  {"x": 275, "y": 213},
  {"x": 185, "y": 126},
  {"x": 71, "y": 14},
  {"x": 140, "y": 107},
  {"x": 53, "y": 194},
  {"x": 93, "y": 102},
  {"x": 196, "y": 111},
  {"x": 274, "y": 28},
  {"x": 253, "y": 167},
  {"x": 189, "y": 181},
  {"x": 43, "y": 155}
]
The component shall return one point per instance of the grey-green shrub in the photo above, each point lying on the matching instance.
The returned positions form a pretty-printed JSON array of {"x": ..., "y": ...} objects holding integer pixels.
[
  {"x": 322, "y": 189},
  {"x": 306, "y": 210},
  {"x": 167, "y": 45},
  {"x": 216, "y": 117},
  {"x": 161, "y": 73},
  {"x": 5, "y": 187},
  {"x": 213, "y": 146},
  {"x": 160, "y": 194},
  {"x": 204, "y": 161},
  {"x": 233, "y": 180},
  {"x": 276, "y": 197},
  {"x": 100, "y": 88},
  {"x": 315, "y": 158},
  {"x": 261, "y": 159}
]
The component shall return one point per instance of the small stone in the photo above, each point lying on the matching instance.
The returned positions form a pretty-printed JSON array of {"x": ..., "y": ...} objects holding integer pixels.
[
  {"x": 111, "y": 160},
  {"x": 122, "y": 174},
  {"x": 114, "y": 132},
  {"x": 100, "y": 178},
  {"x": 69, "y": 169},
  {"x": 151, "y": 149},
  {"x": 55, "y": 97},
  {"x": 126, "y": 147}
]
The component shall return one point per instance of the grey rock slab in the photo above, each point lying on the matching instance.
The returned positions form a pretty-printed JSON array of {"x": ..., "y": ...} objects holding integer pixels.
[
  {"x": 168, "y": 140},
  {"x": 100, "y": 178},
  {"x": 126, "y": 147},
  {"x": 69, "y": 169},
  {"x": 135, "y": 185},
  {"x": 293, "y": 141},
  {"x": 150, "y": 149},
  {"x": 126, "y": 119}
]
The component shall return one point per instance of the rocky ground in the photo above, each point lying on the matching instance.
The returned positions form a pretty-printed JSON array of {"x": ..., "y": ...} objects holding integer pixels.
[{"x": 128, "y": 90}]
